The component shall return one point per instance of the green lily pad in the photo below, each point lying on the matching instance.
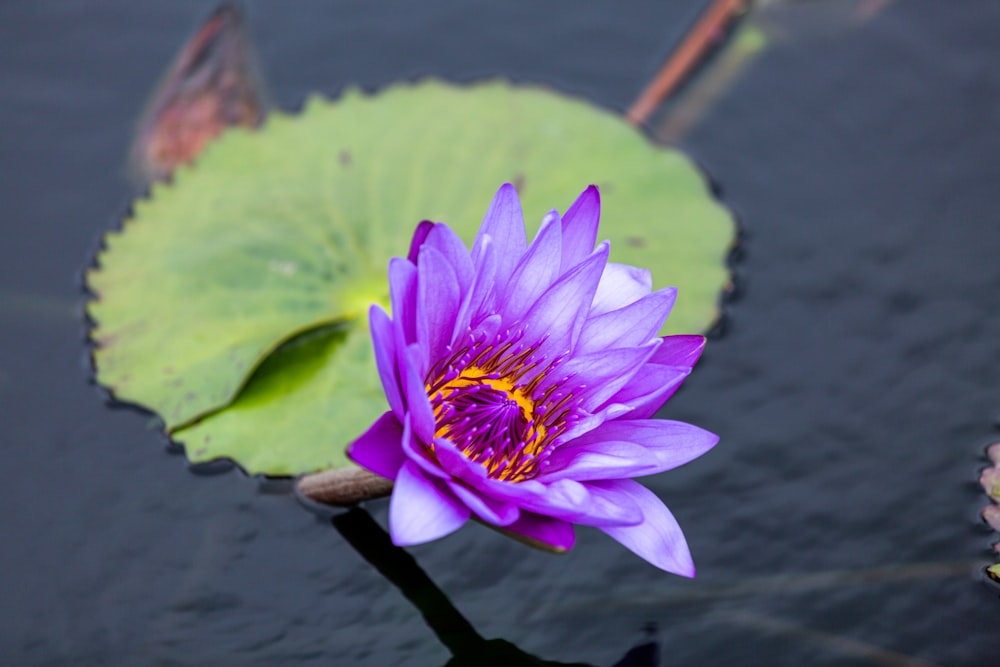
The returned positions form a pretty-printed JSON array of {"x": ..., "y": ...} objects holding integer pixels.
[
  {"x": 318, "y": 388},
  {"x": 278, "y": 232}
]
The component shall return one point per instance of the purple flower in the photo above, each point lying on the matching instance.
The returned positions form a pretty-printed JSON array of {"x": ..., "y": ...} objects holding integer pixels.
[{"x": 521, "y": 381}]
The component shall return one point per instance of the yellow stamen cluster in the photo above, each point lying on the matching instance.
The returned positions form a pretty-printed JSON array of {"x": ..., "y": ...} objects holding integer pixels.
[{"x": 491, "y": 420}]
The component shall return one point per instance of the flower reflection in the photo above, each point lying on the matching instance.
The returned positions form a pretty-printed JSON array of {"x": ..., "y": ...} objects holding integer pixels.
[{"x": 468, "y": 647}]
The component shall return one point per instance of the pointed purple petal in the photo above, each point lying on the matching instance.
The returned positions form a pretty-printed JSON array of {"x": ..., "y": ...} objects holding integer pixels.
[
  {"x": 649, "y": 389},
  {"x": 673, "y": 443},
  {"x": 658, "y": 539},
  {"x": 537, "y": 270},
  {"x": 379, "y": 449},
  {"x": 419, "y": 236},
  {"x": 554, "y": 322},
  {"x": 403, "y": 291},
  {"x": 419, "y": 453},
  {"x": 418, "y": 406},
  {"x": 447, "y": 242},
  {"x": 597, "y": 376},
  {"x": 661, "y": 377},
  {"x": 491, "y": 511},
  {"x": 679, "y": 351},
  {"x": 480, "y": 297},
  {"x": 421, "y": 510},
  {"x": 587, "y": 421},
  {"x": 599, "y": 460},
  {"x": 553, "y": 533},
  {"x": 620, "y": 285},
  {"x": 385, "y": 358},
  {"x": 608, "y": 506},
  {"x": 579, "y": 228},
  {"x": 631, "y": 325},
  {"x": 551, "y": 217},
  {"x": 457, "y": 464},
  {"x": 504, "y": 223},
  {"x": 438, "y": 299},
  {"x": 565, "y": 499}
]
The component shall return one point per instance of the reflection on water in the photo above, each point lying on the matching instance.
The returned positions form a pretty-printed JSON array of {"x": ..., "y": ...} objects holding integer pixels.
[
  {"x": 853, "y": 389},
  {"x": 724, "y": 41},
  {"x": 468, "y": 647}
]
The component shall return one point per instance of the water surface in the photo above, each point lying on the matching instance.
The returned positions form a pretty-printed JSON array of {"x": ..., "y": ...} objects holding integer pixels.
[{"x": 835, "y": 524}]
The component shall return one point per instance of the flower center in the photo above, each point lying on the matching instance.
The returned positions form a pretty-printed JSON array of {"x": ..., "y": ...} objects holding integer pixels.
[
  {"x": 486, "y": 402},
  {"x": 491, "y": 421}
]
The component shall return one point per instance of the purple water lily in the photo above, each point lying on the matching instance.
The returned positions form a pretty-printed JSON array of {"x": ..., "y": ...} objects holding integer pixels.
[{"x": 521, "y": 381}]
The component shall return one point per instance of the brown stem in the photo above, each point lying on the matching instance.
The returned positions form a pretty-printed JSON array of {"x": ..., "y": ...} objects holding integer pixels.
[
  {"x": 712, "y": 84},
  {"x": 684, "y": 58},
  {"x": 344, "y": 486}
]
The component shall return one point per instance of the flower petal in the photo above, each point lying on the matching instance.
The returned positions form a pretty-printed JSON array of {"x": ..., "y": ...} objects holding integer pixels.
[
  {"x": 419, "y": 453},
  {"x": 620, "y": 285},
  {"x": 535, "y": 528},
  {"x": 649, "y": 389},
  {"x": 418, "y": 406},
  {"x": 403, "y": 294},
  {"x": 661, "y": 377},
  {"x": 419, "y": 236},
  {"x": 599, "y": 460},
  {"x": 480, "y": 297},
  {"x": 379, "y": 449},
  {"x": 554, "y": 322},
  {"x": 504, "y": 223},
  {"x": 438, "y": 299},
  {"x": 537, "y": 270},
  {"x": 491, "y": 511},
  {"x": 672, "y": 443},
  {"x": 457, "y": 464},
  {"x": 421, "y": 510},
  {"x": 658, "y": 538},
  {"x": 679, "y": 351},
  {"x": 594, "y": 378},
  {"x": 385, "y": 358},
  {"x": 579, "y": 228},
  {"x": 447, "y": 242},
  {"x": 630, "y": 325},
  {"x": 550, "y": 218},
  {"x": 587, "y": 421},
  {"x": 566, "y": 499}
]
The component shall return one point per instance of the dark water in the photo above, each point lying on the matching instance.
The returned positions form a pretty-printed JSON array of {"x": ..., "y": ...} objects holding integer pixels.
[{"x": 854, "y": 388}]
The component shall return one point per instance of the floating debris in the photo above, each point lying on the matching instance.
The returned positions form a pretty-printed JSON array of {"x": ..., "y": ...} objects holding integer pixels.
[
  {"x": 990, "y": 480},
  {"x": 213, "y": 84}
]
